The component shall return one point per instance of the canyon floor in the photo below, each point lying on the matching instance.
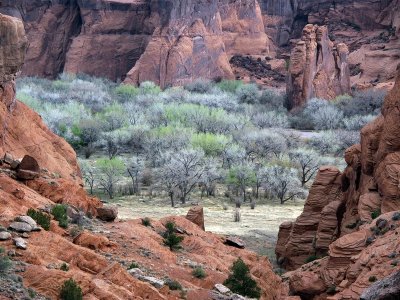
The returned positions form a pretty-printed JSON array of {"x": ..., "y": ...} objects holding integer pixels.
[{"x": 258, "y": 227}]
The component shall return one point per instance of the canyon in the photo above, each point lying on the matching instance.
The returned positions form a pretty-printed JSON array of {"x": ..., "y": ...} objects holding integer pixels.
[
  {"x": 97, "y": 258},
  {"x": 344, "y": 245},
  {"x": 175, "y": 42}
]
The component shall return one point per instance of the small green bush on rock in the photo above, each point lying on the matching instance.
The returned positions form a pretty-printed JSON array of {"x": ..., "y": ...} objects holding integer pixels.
[
  {"x": 240, "y": 281},
  {"x": 41, "y": 218},
  {"x": 199, "y": 272},
  {"x": 146, "y": 222},
  {"x": 70, "y": 290},
  {"x": 170, "y": 238},
  {"x": 173, "y": 284},
  {"x": 59, "y": 212}
]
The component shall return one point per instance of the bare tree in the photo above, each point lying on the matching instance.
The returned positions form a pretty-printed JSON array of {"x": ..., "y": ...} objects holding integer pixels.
[
  {"x": 282, "y": 182},
  {"x": 187, "y": 169},
  {"x": 307, "y": 161},
  {"x": 110, "y": 173},
  {"x": 88, "y": 174},
  {"x": 135, "y": 167}
]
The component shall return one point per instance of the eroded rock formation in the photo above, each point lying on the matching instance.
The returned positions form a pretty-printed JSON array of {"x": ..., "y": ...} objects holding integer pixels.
[
  {"x": 153, "y": 40},
  {"x": 363, "y": 245},
  {"x": 318, "y": 68},
  {"x": 313, "y": 231}
]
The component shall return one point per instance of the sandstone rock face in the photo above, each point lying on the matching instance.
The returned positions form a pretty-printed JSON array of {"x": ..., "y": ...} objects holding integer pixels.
[
  {"x": 147, "y": 38},
  {"x": 318, "y": 68},
  {"x": 315, "y": 228},
  {"x": 196, "y": 39},
  {"x": 361, "y": 249},
  {"x": 23, "y": 131}
]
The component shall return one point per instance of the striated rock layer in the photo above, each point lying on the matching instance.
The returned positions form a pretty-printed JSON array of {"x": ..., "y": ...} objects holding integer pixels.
[
  {"x": 318, "y": 68},
  {"x": 363, "y": 244}
]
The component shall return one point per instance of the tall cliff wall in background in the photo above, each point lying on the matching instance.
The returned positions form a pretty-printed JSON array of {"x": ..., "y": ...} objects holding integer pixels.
[{"x": 172, "y": 42}]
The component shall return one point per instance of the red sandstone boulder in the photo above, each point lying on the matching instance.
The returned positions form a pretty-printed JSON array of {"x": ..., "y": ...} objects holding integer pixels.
[
  {"x": 107, "y": 213},
  {"x": 196, "y": 215}
]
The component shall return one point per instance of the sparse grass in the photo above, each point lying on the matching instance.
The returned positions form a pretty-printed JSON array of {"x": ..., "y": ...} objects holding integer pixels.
[{"x": 5, "y": 262}]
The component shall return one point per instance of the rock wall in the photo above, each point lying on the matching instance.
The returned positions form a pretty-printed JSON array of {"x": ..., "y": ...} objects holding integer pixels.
[
  {"x": 149, "y": 38},
  {"x": 198, "y": 39},
  {"x": 363, "y": 244},
  {"x": 318, "y": 68}
]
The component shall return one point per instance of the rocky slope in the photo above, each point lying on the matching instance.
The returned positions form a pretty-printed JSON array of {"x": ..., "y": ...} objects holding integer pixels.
[
  {"x": 342, "y": 221},
  {"x": 95, "y": 254},
  {"x": 172, "y": 42}
]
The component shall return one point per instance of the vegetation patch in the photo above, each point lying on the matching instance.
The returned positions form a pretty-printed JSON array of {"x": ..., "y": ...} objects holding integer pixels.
[
  {"x": 41, "y": 218},
  {"x": 59, "y": 211},
  {"x": 199, "y": 272},
  {"x": 240, "y": 281},
  {"x": 172, "y": 240},
  {"x": 70, "y": 290}
]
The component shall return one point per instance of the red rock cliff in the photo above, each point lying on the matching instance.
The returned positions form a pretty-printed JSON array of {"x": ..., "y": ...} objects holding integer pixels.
[{"x": 338, "y": 217}]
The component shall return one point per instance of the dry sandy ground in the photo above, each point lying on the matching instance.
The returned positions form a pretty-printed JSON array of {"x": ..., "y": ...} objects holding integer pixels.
[{"x": 258, "y": 227}]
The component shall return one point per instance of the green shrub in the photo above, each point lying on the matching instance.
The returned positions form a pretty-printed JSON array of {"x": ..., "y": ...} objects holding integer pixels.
[
  {"x": 199, "y": 272},
  {"x": 64, "y": 267},
  {"x": 146, "y": 222},
  {"x": 376, "y": 213},
  {"x": 229, "y": 86},
  {"x": 70, "y": 290},
  {"x": 331, "y": 290},
  {"x": 133, "y": 265},
  {"x": 59, "y": 211},
  {"x": 41, "y": 218},
  {"x": 170, "y": 238},
  {"x": 211, "y": 144},
  {"x": 372, "y": 278},
  {"x": 126, "y": 91},
  {"x": 311, "y": 258},
  {"x": 173, "y": 284},
  {"x": 240, "y": 281},
  {"x": 32, "y": 293}
]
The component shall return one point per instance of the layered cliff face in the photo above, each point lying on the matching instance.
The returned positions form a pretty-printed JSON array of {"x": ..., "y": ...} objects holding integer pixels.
[
  {"x": 172, "y": 42},
  {"x": 169, "y": 42},
  {"x": 344, "y": 216},
  {"x": 318, "y": 68},
  {"x": 369, "y": 28},
  {"x": 198, "y": 41}
]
